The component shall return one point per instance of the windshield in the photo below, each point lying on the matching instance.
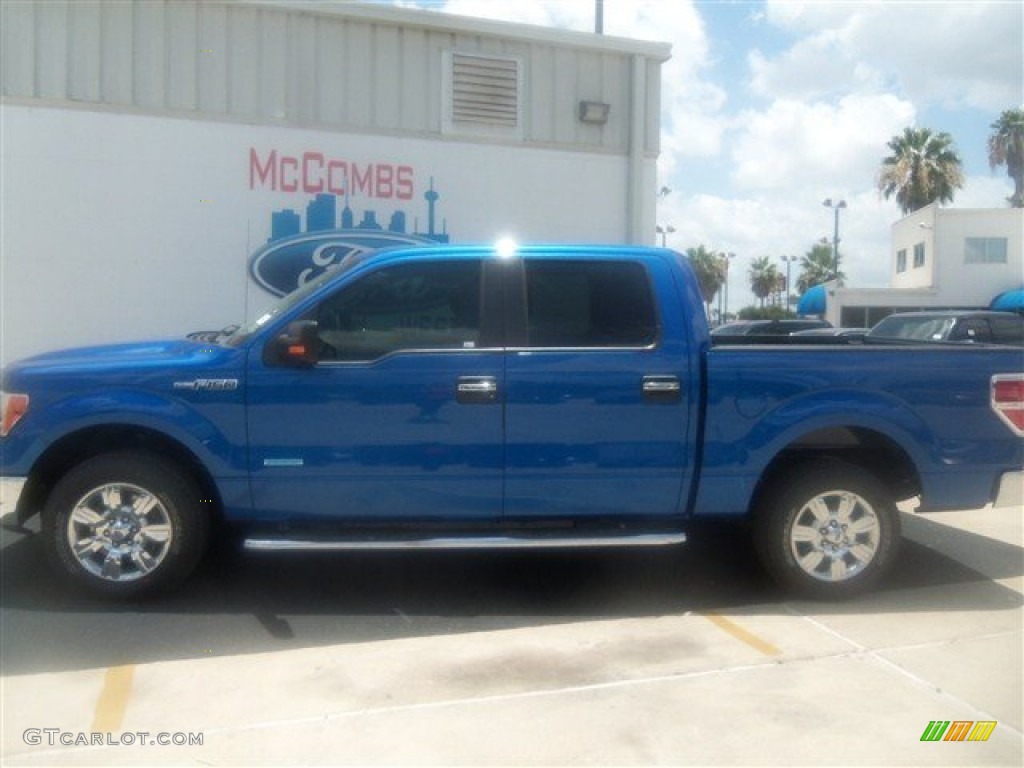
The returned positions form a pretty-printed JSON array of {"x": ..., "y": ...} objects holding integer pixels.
[
  {"x": 240, "y": 335},
  {"x": 926, "y": 328}
]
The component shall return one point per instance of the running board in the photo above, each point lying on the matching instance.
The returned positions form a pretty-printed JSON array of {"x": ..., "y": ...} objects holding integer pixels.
[{"x": 466, "y": 542}]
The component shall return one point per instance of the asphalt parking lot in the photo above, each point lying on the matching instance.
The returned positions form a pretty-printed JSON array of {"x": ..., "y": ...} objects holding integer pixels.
[{"x": 682, "y": 656}]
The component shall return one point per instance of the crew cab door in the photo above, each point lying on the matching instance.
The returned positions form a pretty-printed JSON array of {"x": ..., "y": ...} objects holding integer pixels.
[
  {"x": 400, "y": 418},
  {"x": 599, "y": 392}
]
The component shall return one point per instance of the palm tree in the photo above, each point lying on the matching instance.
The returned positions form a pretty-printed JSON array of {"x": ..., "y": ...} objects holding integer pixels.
[
  {"x": 1006, "y": 147},
  {"x": 922, "y": 168},
  {"x": 764, "y": 277},
  {"x": 710, "y": 273},
  {"x": 817, "y": 266}
]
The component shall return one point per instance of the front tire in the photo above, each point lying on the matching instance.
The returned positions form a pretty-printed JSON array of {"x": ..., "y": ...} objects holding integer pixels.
[
  {"x": 828, "y": 530},
  {"x": 126, "y": 524}
]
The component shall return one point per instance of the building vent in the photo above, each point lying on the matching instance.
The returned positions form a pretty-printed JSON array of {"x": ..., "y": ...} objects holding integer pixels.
[{"x": 484, "y": 93}]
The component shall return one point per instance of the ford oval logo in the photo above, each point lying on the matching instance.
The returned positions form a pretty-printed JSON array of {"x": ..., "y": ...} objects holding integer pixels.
[{"x": 283, "y": 265}]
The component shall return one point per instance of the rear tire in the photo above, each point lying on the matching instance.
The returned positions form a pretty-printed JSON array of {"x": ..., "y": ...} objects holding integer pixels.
[
  {"x": 126, "y": 524},
  {"x": 828, "y": 530}
]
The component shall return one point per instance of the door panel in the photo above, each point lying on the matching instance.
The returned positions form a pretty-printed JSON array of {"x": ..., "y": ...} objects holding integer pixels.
[
  {"x": 387, "y": 440},
  {"x": 378, "y": 429},
  {"x": 598, "y": 407}
]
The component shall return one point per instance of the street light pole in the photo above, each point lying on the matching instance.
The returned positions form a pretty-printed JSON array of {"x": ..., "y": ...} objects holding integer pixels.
[
  {"x": 721, "y": 259},
  {"x": 789, "y": 263},
  {"x": 666, "y": 230},
  {"x": 728, "y": 257},
  {"x": 723, "y": 294},
  {"x": 835, "y": 232}
]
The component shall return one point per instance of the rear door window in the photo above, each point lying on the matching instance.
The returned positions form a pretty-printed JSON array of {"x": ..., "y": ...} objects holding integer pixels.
[
  {"x": 971, "y": 329},
  {"x": 1007, "y": 330},
  {"x": 589, "y": 304}
]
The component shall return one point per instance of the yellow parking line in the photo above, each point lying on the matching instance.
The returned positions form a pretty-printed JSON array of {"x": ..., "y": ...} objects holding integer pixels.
[
  {"x": 113, "y": 701},
  {"x": 742, "y": 634}
]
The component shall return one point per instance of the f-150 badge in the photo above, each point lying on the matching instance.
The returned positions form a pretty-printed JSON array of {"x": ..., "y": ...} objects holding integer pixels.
[{"x": 208, "y": 385}]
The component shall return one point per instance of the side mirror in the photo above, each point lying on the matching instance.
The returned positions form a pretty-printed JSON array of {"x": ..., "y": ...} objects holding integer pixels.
[{"x": 297, "y": 347}]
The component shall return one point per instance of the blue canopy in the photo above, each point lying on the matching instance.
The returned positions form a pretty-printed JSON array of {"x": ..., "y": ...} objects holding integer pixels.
[
  {"x": 1010, "y": 300},
  {"x": 812, "y": 302}
]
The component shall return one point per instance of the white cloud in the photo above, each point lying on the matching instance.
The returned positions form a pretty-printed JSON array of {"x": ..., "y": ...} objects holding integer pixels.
[
  {"x": 693, "y": 120},
  {"x": 814, "y": 67},
  {"x": 800, "y": 145},
  {"x": 952, "y": 54},
  {"x": 985, "y": 191},
  {"x": 801, "y": 17}
]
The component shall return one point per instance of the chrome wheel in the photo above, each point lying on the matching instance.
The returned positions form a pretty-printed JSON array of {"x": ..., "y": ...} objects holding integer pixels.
[
  {"x": 835, "y": 536},
  {"x": 119, "y": 532}
]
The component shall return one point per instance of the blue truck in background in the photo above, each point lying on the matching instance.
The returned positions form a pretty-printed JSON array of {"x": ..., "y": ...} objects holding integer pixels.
[{"x": 488, "y": 397}]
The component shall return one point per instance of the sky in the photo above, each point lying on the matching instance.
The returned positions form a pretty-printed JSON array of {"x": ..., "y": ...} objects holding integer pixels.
[{"x": 770, "y": 107}]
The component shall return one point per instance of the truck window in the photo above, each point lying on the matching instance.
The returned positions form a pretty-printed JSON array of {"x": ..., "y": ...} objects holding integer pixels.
[
  {"x": 589, "y": 304},
  {"x": 1008, "y": 330},
  {"x": 971, "y": 329},
  {"x": 432, "y": 305},
  {"x": 924, "y": 328}
]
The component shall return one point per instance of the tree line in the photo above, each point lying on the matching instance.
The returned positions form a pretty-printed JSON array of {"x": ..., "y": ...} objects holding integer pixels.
[{"x": 923, "y": 167}]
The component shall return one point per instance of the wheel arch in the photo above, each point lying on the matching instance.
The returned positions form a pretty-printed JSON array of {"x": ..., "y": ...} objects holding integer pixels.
[
  {"x": 870, "y": 449},
  {"x": 79, "y": 445}
]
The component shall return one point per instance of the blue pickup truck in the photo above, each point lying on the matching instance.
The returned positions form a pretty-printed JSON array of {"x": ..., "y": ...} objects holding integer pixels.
[{"x": 471, "y": 397}]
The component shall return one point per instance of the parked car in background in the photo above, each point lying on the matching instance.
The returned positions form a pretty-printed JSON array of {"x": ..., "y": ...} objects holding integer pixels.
[
  {"x": 833, "y": 335},
  {"x": 968, "y": 326},
  {"x": 769, "y": 327},
  {"x": 746, "y": 332}
]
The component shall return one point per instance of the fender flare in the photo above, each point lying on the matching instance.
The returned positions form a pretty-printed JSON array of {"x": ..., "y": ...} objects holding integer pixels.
[{"x": 169, "y": 417}]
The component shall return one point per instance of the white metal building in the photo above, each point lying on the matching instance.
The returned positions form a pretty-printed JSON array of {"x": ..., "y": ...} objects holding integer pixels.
[
  {"x": 950, "y": 258},
  {"x": 155, "y": 151}
]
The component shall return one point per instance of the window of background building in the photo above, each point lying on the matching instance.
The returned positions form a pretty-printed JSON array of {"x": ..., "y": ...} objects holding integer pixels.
[
  {"x": 985, "y": 250},
  {"x": 918, "y": 255},
  {"x": 901, "y": 260},
  {"x": 865, "y": 317}
]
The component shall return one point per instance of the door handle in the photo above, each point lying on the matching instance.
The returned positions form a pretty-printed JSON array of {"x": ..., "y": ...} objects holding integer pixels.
[
  {"x": 476, "y": 389},
  {"x": 662, "y": 389}
]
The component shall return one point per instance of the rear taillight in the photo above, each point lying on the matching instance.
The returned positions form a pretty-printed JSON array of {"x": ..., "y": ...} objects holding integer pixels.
[
  {"x": 1008, "y": 400},
  {"x": 12, "y": 408}
]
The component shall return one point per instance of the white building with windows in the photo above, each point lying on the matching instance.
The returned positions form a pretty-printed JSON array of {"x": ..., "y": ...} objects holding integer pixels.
[{"x": 941, "y": 258}]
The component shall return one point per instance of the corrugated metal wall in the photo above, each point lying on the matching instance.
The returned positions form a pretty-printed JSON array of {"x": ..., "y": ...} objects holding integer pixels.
[{"x": 366, "y": 72}]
